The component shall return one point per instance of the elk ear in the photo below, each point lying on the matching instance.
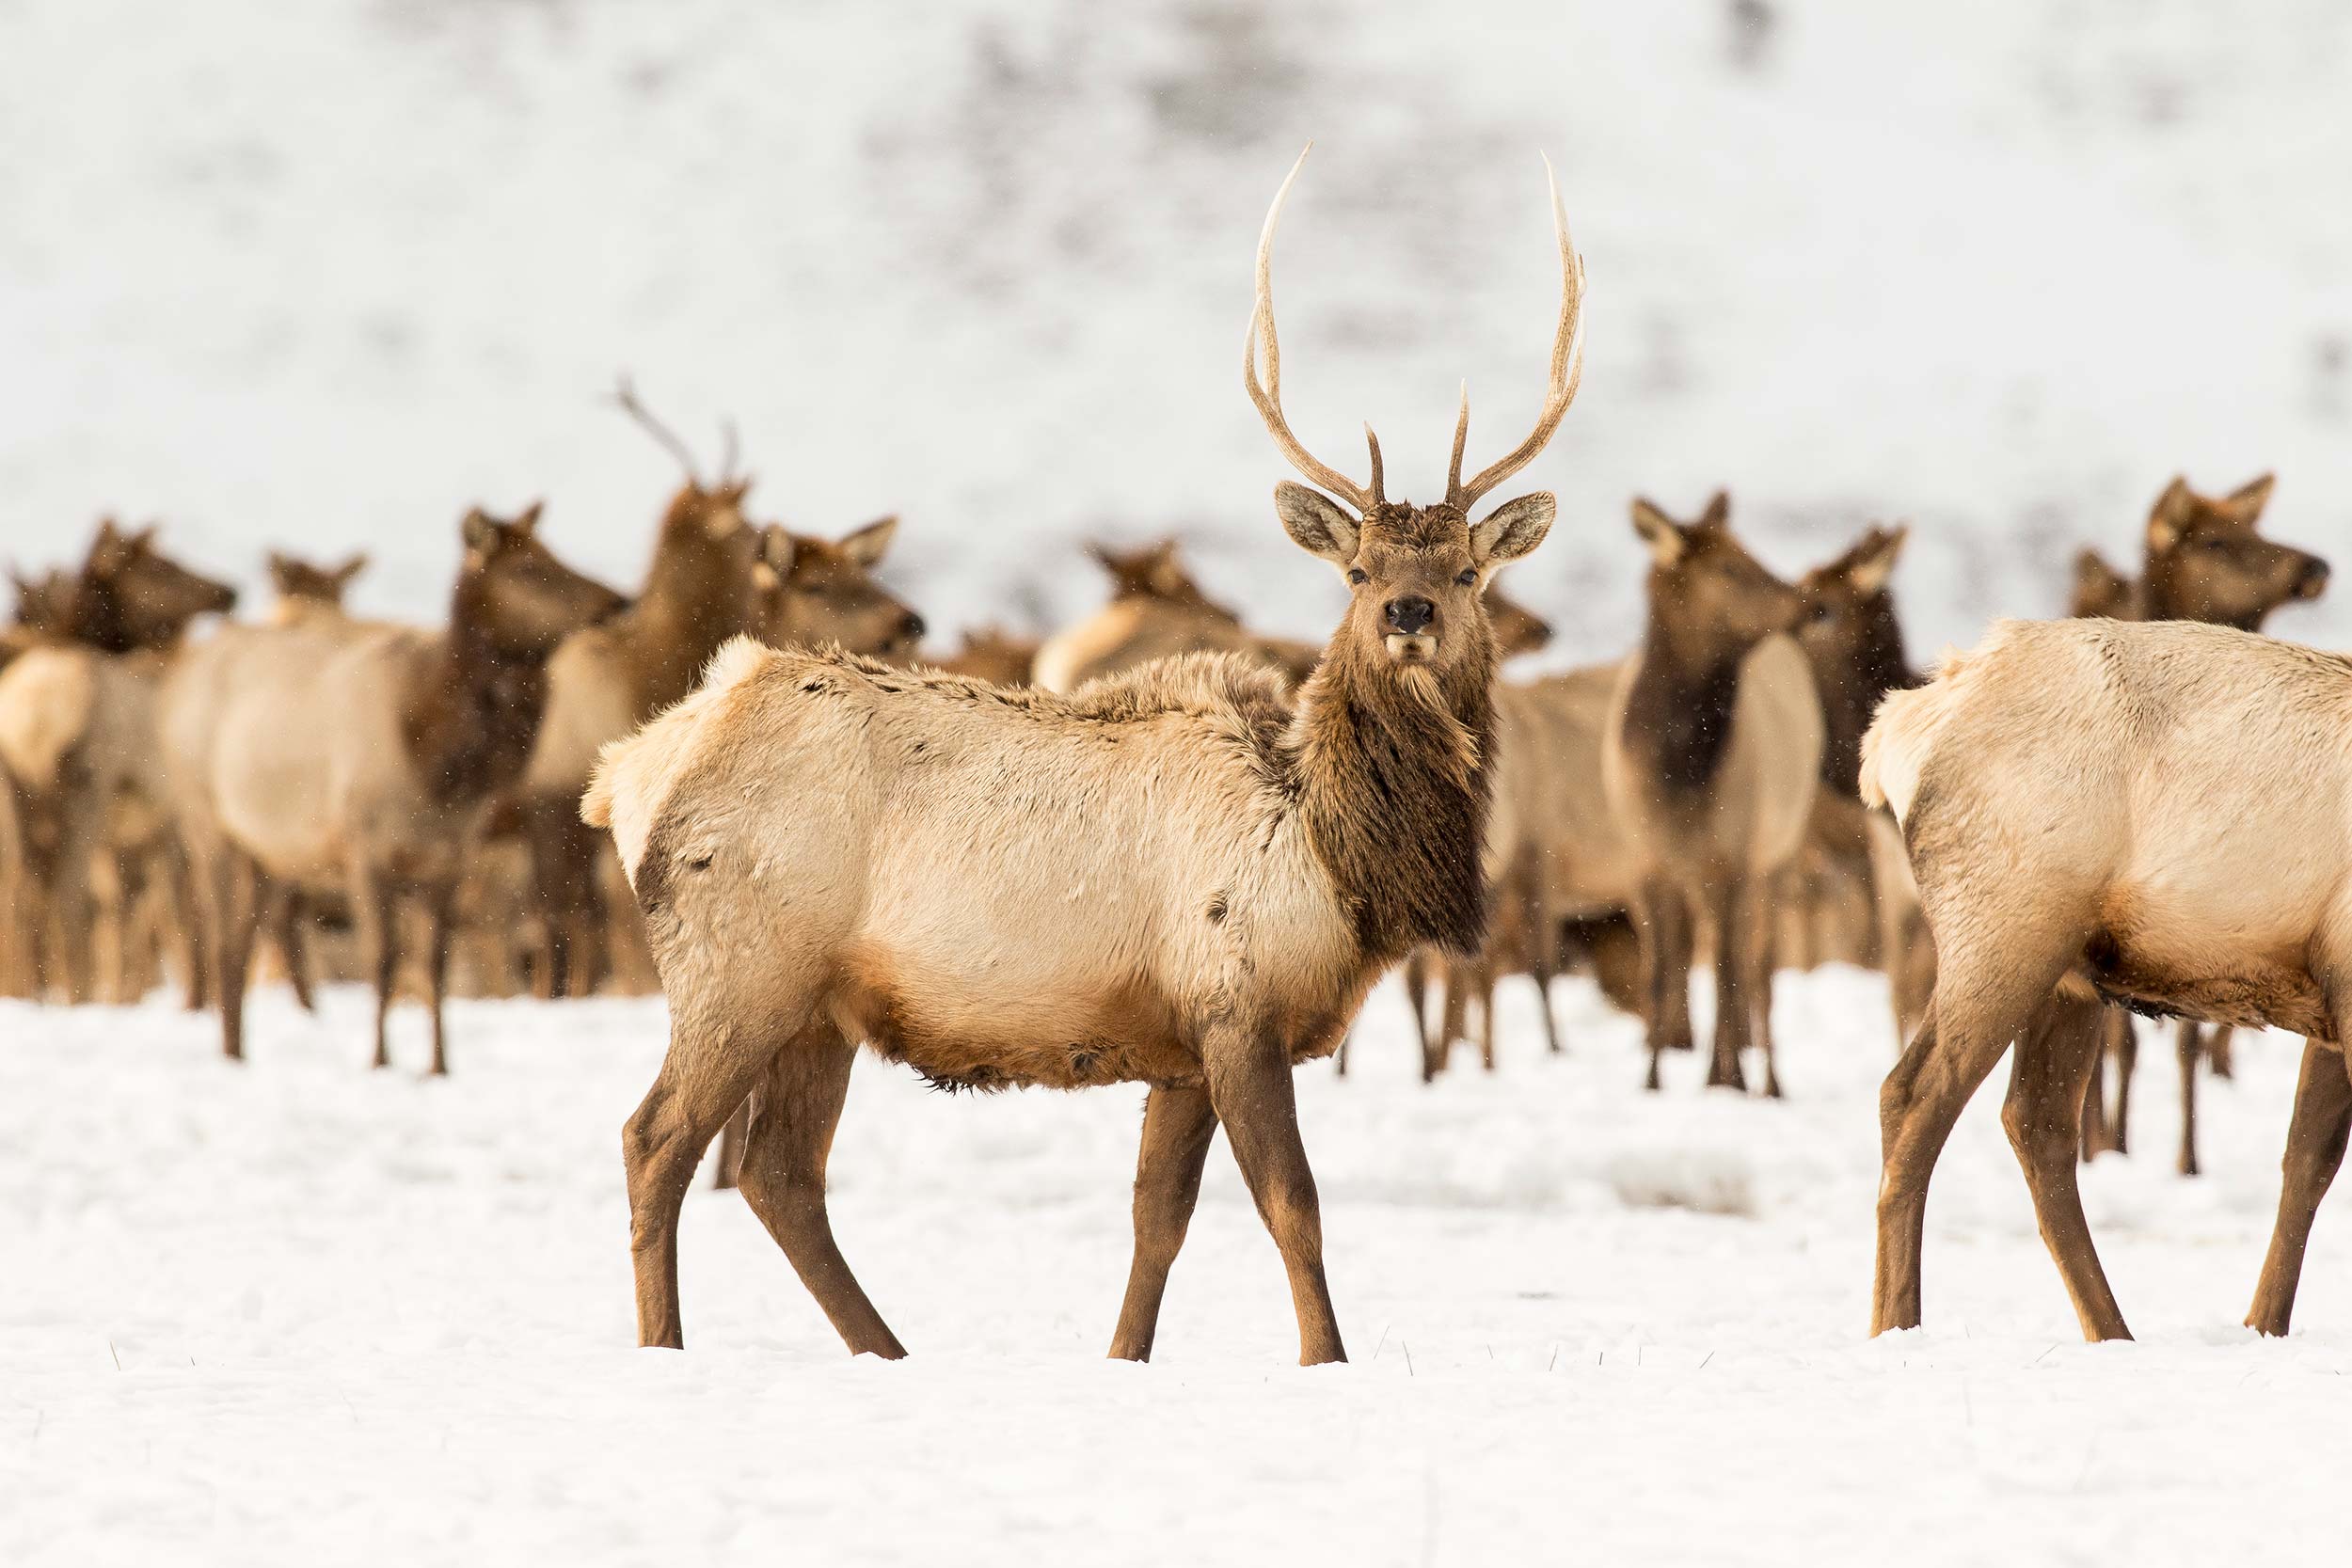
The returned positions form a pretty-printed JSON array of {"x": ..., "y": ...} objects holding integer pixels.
[
  {"x": 529, "y": 522},
  {"x": 2170, "y": 516},
  {"x": 349, "y": 569},
  {"x": 1662, "y": 534},
  {"x": 1513, "y": 528},
  {"x": 2246, "y": 501},
  {"x": 868, "y": 544},
  {"x": 1875, "y": 562},
  {"x": 478, "y": 533},
  {"x": 1718, "y": 512},
  {"x": 1167, "y": 578},
  {"x": 776, "y": 549},
  {"x": 1316, "y": 523}
]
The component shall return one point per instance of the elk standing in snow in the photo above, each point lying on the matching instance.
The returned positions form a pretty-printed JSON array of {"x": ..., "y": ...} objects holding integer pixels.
[
  {"x": 2158, "y": 816},
  {"x": 1182, "y": 877},
  {"x": 1712, "y": 757},
  {"x": 2203, "y": 561},
  {"x": 362, "y": 757}
]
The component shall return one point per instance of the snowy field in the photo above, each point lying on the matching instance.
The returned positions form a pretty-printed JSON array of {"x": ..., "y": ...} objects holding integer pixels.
[{"x": 302, "y": 1313}]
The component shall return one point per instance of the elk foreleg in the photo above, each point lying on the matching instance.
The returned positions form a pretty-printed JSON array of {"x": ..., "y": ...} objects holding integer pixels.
[
  {"x": 794, "y": 1113},
  {"x": 375, "y": 905},
  {"x": 2042, "y": 1117},
  {"x": 1250, "y": 1087},
  {"x": 438, "y": 902},
  {"x": 290, "y": 917},
  {"x": 2315, "y": 1143},
  {"x": 1737, "y": 920},
  {"x": 237, "y": 904},
  {"x": 1178, "y": 1125},
  {"x": 1660, "y": 919},
  {"x": 2189, "y": 1046}
]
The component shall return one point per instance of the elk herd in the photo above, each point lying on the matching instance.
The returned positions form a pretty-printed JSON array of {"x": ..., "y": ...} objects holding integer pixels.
[{"x": 1160, "y": 848}]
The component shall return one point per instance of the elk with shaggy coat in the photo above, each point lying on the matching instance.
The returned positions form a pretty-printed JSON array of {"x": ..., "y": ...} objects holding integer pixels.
[
  {"x": 1713, "y": 755},
  {"x": 1182, "y": 877}
]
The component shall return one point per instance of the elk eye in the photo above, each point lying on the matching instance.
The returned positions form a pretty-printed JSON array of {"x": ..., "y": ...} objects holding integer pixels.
[
  {"x": 1356, "y": 574},
  {"x": 1468, "y": 575}
]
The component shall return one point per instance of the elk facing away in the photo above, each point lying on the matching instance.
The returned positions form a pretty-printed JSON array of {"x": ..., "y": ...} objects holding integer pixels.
[
  {"x": 1180, "y": 878},
  {"x": 1713, "y": 756},
  {"x": 2158, "y": 816}
]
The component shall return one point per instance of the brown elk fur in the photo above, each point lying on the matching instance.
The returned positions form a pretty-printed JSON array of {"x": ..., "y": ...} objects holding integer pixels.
[
  {"x": 992, "y": 655},
  {"x": 1711, "y": 763},
  {"x": 1179, "y": 876},
  {"x": 2153, "y": 814},
  {"x": 363, "y": 758}
]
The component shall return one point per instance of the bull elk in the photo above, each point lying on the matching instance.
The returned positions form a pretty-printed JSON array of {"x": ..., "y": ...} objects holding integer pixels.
[
  {"x": 1713, "y": 754},
  {"x": 2150, "y": 816},
  {"x": 362, "y": 758},
  {"x": 827, "y": 851}
]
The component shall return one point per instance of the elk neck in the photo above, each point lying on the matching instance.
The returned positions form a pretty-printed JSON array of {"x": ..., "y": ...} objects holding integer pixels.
[
  {"x": 696, "y": 595},
  {"x": 1393, "y": 782},
  {"x": 469, "y": 710},
  {"x": 1876, "y": 664},
  {"x": 1678, "y": 712}
]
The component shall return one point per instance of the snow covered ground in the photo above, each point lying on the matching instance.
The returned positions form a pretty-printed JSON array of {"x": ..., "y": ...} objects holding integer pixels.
[{"x": 302, "y": 1313}]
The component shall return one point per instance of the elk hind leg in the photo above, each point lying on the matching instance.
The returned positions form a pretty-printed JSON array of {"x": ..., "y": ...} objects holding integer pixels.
[
  {"x": 1980, "y": 1003},
  {"x": 2041, "y": 1116},
  {"x": 2316, "y": 1137},
  {"x": 1250, "y": 1087},
  {"x": 2190, "y": 1047},
  {"x": 1178, "y": 1125},
  {"x": 709, "y": 1069},
  {"x": 794, "y": 1113}
]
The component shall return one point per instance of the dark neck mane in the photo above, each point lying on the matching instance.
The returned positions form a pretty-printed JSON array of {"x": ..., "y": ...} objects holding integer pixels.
[
  {"x": 469, "y": 711},
  {"x": 1878, "y": 667},
  {"x": 1393, "y": 789},
  {"x": 1679, "y": 711}
]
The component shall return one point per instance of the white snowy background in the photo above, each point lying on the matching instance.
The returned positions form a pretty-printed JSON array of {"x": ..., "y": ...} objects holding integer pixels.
[{"x": 323, "y": 276}]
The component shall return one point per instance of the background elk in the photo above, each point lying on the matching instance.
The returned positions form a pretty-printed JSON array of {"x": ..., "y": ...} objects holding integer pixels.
[
  {"x": 1712, "y": 756},
  {"x": 1156, "y": 610},
  {"x": 993, "y": 655},
  {"x": 2150, "y": 816},
  {"x": 828, "y": 851},
  {"x": 2203, "y": 561},
  {"x": 78, "y": 746},
  {"x": 303, "y": 586},
  {"x": 363, "y": 758}
]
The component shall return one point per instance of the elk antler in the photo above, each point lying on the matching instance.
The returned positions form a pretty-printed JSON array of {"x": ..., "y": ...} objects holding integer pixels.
[
  {"x": 1270, "y": 397},
  {"x": 625, "y": 396},
  {"x": 1567, "y": 369}
]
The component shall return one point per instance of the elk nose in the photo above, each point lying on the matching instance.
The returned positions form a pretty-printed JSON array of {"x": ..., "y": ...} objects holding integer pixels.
[
  {"x": 2313, "y": 579},
  {"x": 1409, "y": 614},
  {"x": 912, "y": 626}
]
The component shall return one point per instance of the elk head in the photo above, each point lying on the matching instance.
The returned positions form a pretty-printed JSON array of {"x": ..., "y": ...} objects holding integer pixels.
[
  {"x": 1710, "y": 599},
  {"x": 1152, "y": 572},
  {"x": 45, "y": 603},
  {"x": 2205, "y": 561},
  {"x": 1415, "y": 574},
  {"x": 297, "y": 579},
  {"x": 524, "y": 600},
  {"x": 811, "y": 592},
  {"x": 2101, "y": 592},
  {"x": 132, "y": 595},
  {"x": 1516, "y": 629}
]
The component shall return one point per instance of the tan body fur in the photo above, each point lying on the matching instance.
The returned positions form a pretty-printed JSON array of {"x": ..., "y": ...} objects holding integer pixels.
[{"x": 2158, "y": 814}]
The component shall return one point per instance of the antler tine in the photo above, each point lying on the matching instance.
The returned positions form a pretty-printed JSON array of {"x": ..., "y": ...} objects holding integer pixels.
[
  {"x": 1567, "y": 366},
  {"x": 1269, "y": 397},
  {"x": 1373, "y": 442},
  {"x": 624, "y": 397},
  {"x": 1461, "y": 439}
]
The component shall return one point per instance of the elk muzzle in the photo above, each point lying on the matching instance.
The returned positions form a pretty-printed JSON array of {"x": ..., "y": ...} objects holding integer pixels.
[
  {"x": 1407, "y": 621},
  {"x": 2312, "y": 582}
]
